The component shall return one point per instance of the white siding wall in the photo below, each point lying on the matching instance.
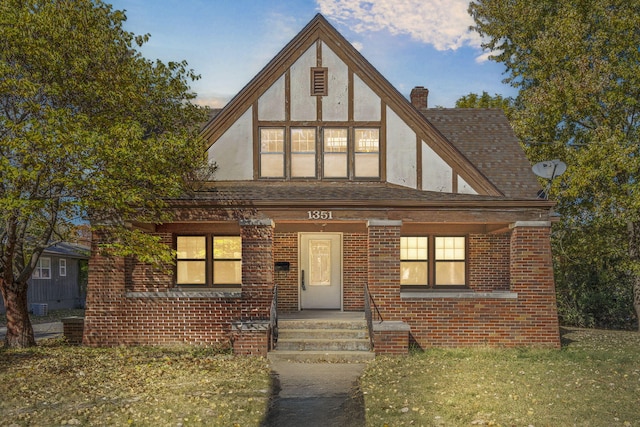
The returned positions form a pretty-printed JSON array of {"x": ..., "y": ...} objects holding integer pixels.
[
  {"x": 366, "y": 104},
  {"x": 303, "y": 105},
  {"x": 335, "y": 106},
  {"x": 464, "y": 187},
  {"x": 271, "y": 103},
  {"x": 436, "y": 173},
  {"x": 401, "y": 151},
  {"x": 233, "y": 152}
]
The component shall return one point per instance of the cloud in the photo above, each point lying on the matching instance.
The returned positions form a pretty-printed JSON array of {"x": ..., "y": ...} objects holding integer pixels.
[
  {"x": 444, "y": 24},
  {"x": 484, "y": 57}
]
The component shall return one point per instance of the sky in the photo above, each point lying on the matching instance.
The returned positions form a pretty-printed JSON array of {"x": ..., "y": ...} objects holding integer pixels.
[{"x": 227, "y": 42}]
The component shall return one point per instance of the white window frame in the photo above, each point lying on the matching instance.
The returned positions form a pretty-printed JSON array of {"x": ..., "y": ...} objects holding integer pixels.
[
  {"x": 44, "y": 265},
  {"x": 62, "y": 267}
]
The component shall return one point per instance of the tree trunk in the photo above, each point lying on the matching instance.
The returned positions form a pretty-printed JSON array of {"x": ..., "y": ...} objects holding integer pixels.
[
  {"x": 19, "y": 328},
  {"x": 634, "y": 254}
]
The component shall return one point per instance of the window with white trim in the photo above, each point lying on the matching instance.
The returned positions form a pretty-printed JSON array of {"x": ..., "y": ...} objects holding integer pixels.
[
  {"x": 209, "y": 261},
  {"x": 62, "y": 267},
  {"x": 433, "y": 261},
  {"x": 43, "y": 269}
]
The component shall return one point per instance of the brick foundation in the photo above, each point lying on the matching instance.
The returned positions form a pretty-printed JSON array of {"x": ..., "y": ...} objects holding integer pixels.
[
  {"x": 73, "y": 329},
  {"x": 250, "y": 338}
]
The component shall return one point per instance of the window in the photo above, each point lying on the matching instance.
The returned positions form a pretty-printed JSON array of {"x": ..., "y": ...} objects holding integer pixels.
[
  {"x": 450, "y": 261},
  {"x": 335, "y": 153},
  {"x": 209, "y": 260},
  {"x": 342, "y": 153},
  {"x": 43, "y": 269},
  {"x": 414, "y": 257},
  {"x": 272, "y": 153},
  {"x": 303, "y": 152},
  {"x": 367, "y": 153},
  {"x": 62, "y": 267},
  {"x": 438, "y": 261}
]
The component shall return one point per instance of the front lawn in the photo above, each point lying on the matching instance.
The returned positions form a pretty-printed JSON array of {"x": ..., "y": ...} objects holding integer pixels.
[
  {"x": 54, "y": 384},
  {"x": 593, "y": 381}
]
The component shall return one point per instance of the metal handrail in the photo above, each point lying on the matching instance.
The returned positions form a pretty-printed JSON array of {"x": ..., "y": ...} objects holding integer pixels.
[
  {"x": 368, "y": 302},
  {"x": 273, "y": 318}
]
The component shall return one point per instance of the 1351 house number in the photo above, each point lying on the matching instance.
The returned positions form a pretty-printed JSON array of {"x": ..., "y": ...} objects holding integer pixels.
[{"x": 320, "y": 214}]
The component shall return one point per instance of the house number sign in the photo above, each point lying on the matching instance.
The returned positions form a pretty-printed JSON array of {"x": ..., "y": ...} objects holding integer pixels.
[{"x": 320, "y": 215}]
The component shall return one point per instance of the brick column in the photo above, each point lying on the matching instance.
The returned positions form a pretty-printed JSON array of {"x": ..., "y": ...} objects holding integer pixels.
[
  {"x": 532, "y": 279},
  {"x": 105, "y": 296},
  {"x": 257, "y": 268},
  {"x": 384, "y": 267}
]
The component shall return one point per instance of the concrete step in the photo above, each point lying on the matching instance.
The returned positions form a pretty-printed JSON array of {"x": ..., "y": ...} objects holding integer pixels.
[
  {"x": 321, "y": 324},
  {"x": 321, "y": 356},
  {"x": 307, "y": 344},
  {"x": 286, "y": 333}
]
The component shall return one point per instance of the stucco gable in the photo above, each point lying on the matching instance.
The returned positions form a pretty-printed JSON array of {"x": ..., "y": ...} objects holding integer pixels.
[{"x": 359, "y": 93}]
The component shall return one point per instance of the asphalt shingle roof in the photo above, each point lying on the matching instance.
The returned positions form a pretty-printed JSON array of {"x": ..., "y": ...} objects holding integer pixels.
[{"x": 486, "y": 138}]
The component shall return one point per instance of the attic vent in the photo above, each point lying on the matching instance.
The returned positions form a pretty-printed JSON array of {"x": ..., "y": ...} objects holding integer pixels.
[{"x": 319, "y": 77}]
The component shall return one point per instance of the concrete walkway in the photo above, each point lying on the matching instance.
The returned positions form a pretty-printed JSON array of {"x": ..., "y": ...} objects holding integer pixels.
[
  {"x": 41, "y": 331},
  {"x": 316, "y": 394}
]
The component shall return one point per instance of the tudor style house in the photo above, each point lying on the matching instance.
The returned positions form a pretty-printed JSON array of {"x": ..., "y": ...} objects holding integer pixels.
[{"x": 343, "y": 195}]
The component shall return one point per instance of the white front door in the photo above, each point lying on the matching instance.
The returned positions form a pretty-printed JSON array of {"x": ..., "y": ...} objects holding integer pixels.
[{"x": 320, "y": 271}]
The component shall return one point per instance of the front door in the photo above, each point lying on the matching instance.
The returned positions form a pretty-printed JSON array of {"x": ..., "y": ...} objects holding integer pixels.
[{"x": 320, "y": 271}]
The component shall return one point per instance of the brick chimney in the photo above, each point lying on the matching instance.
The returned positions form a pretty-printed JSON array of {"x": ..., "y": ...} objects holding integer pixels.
[{"x": 419, "y": 96}]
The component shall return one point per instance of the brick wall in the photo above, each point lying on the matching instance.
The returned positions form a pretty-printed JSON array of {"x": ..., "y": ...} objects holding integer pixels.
[
  {"x": 384, "y": 267},
  {"x": 513, "y": 298},
  {"x": 488, "y": 262},
  {"x": 285, "y": 248},
  {"x": 355, "y": 270},
  {"x": 131, "y": 303}
]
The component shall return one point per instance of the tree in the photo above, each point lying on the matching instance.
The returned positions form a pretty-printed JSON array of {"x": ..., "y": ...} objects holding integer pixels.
[
  {"x": 577, "y": 67},
  {"x": 89, "y": 130},
  {"x": 473, "y": 100}
]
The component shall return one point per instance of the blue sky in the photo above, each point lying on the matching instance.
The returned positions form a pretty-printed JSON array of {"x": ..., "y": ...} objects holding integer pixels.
[{"x": 411, "y": 42}]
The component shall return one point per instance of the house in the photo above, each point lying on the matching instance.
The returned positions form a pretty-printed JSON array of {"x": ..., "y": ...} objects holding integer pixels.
[
  {"x": 343, "y": 195},
  {"x": 59, "y": 279}
]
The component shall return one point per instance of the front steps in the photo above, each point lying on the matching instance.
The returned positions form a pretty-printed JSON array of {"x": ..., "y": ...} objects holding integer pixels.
[{"x": 323, "y": 336}]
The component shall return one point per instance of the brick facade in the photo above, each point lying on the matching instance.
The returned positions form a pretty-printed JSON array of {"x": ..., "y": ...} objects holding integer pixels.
[
  {"x": 131, "y": 303},
  {"x": 515, "y": 306},
  {"x": 510, "y": 300}
]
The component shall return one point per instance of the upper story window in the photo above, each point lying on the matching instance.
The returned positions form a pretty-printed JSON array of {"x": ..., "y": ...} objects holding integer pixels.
[
  {"x": 209, "y": 260},
  {"x": 43, "y": 269},
  {"x": 433, "y": 262},
  {"x": 272, "y": 152},
  {"x": 320, "y": 153},
  {"x": 62, "y": 266}
]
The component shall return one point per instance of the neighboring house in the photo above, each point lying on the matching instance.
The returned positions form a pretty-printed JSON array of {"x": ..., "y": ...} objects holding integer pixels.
[
  {"x": 57, "y": 280},
  {"x": 329, "y": 183}
]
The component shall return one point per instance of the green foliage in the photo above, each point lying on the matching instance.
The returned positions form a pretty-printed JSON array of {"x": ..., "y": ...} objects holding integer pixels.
[
  {"x": 577, "y": 66},
  {"x": 473, "y": 100},
  {"x": 89, "y": 130}
]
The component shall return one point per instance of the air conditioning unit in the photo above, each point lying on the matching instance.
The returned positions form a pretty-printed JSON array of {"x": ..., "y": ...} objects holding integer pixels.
[{"x": 39, "y": 309}]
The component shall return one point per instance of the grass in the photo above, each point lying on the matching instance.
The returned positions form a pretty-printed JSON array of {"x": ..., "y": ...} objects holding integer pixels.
[
  {"x": 56, "y": 384},
  {"x": 593, "y": 381}
]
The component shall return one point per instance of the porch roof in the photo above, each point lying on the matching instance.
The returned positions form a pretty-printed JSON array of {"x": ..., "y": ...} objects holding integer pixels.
[{"x": 302, "y": 193}]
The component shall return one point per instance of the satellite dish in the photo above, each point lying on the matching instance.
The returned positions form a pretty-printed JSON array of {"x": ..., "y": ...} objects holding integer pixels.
[{"x": 549, "y": 169}]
